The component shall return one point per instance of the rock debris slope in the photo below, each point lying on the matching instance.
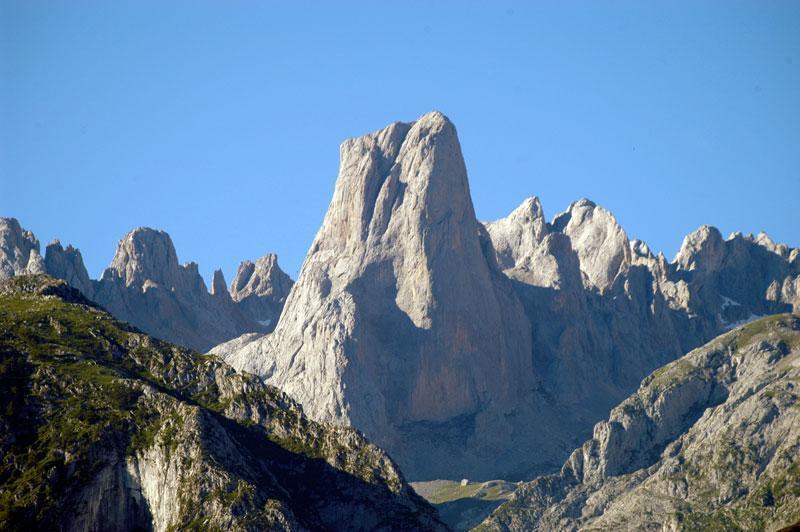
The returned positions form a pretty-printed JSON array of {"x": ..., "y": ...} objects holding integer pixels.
[
  {"x": 400, "y": 320},
  {"x": 105, "y": 428},
  {"x": 146, "y": 286},
  {"x": 708, "y": 442}
]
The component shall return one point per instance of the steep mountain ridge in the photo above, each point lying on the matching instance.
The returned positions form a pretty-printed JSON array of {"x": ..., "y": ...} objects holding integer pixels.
[
  {"x": 710, "y": 441},
  {"x": 147, "y": 286},
  {"x": 105, "y": 428},
  {"x": 605, "y": 310}
]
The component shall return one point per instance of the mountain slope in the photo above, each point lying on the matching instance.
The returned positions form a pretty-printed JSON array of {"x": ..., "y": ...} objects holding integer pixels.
[
  {"x": 105, "y": 428},
  {"x": 710, "y": 441}
]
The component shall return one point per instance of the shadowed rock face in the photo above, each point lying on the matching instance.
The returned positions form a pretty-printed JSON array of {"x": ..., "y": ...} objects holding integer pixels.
[
  {"x": 708, "y": 442},
  {"x": 603, "y": 307},
  {"x": 399, "y": 315}
]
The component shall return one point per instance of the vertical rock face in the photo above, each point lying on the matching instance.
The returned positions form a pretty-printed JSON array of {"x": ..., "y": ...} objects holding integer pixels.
[
  {"x": 67, "y": 264},
  {"x": 400, "y": 314},
  {"x": 19, "y": 250},
  {"x": 260, "y": 289},
  {"x": 519, "y": 247},
  {"x": 147, "y": 256},
  {"x": 219, "y": 288},
  {"x": 704, "y": 249}
]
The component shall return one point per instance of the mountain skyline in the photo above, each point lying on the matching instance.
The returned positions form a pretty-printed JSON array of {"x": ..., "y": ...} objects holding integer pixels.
[{"x": 228, "y": 135}]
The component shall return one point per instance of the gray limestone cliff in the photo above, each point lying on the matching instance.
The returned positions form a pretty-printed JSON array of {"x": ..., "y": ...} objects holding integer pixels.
[
  {"x": 708, "y": 442},
  {"x": 604, "y": 310},
  {"x": 401, "y": 326}
]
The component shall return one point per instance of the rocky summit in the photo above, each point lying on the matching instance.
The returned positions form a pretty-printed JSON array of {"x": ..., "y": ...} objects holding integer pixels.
[
  {"x": 606, "y": 311},
  {"x": 145, "y": 283},
  {"x": 106, "y": 428},
  {"x": 489, "y": 350},
  {"x": 147, "y": 286},
  {"x": 401, "y": 324},
  {"x": 19, "y": 250},
  {"x": 261, "y": 289},
  {"x": 708, "y": 442}
]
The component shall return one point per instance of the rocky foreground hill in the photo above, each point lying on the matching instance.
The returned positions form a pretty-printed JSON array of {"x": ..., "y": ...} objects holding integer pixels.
[
  {"x": 146, "y": 285},
  {"x": 708, "y": 442},
  {"x": 105, "y": 428},
  {"x": 489, "y": 350}
]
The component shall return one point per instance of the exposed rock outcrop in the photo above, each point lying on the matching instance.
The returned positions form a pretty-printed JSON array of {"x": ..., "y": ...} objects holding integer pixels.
[
  {"x": 109, "y": 429},
  {"x": 711, "y": 441},
  {"x": 605, "y": 310},
  {"x": 399, "y": 302},
  {"x": 145, "y": 285},
  {"x": 19, "y": 250},
  {"x": 400, "y": 319},
  {"x": 68, "y": 264},
  {"x": 601, "y": 245},
  {"x": 261, "y": 288}
]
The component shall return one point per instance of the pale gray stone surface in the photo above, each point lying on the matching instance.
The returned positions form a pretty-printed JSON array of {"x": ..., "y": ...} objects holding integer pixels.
[
  {"x": 400, "y": 317},
  {"x": 19, "y": 250},
  {"x": 68, "y": 264},
  {"x": 146, "y": 286},
  {"x": 260, "y": 289},
  {"x": 400, "y": 325}
]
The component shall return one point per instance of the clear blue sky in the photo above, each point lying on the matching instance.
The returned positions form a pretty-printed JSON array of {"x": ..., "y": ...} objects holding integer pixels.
[{"x": 220, "y": 122}]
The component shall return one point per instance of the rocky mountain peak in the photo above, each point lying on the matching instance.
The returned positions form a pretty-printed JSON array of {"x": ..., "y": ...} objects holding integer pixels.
[
  {"x": 145, "y": 254},
  {"x": 399, "y": 250},
  {"x": 19, "y": 250},
  {"x": 702, "y": 249},
  {"x": 261, "y": 288},
  {"x": 263, "y": 277},
  {"x": 219, "y": 287},
  {"x": 518, "y": 244},
  {"x": 68, "y": 264},
  {"x": 600, "y": 242}
]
